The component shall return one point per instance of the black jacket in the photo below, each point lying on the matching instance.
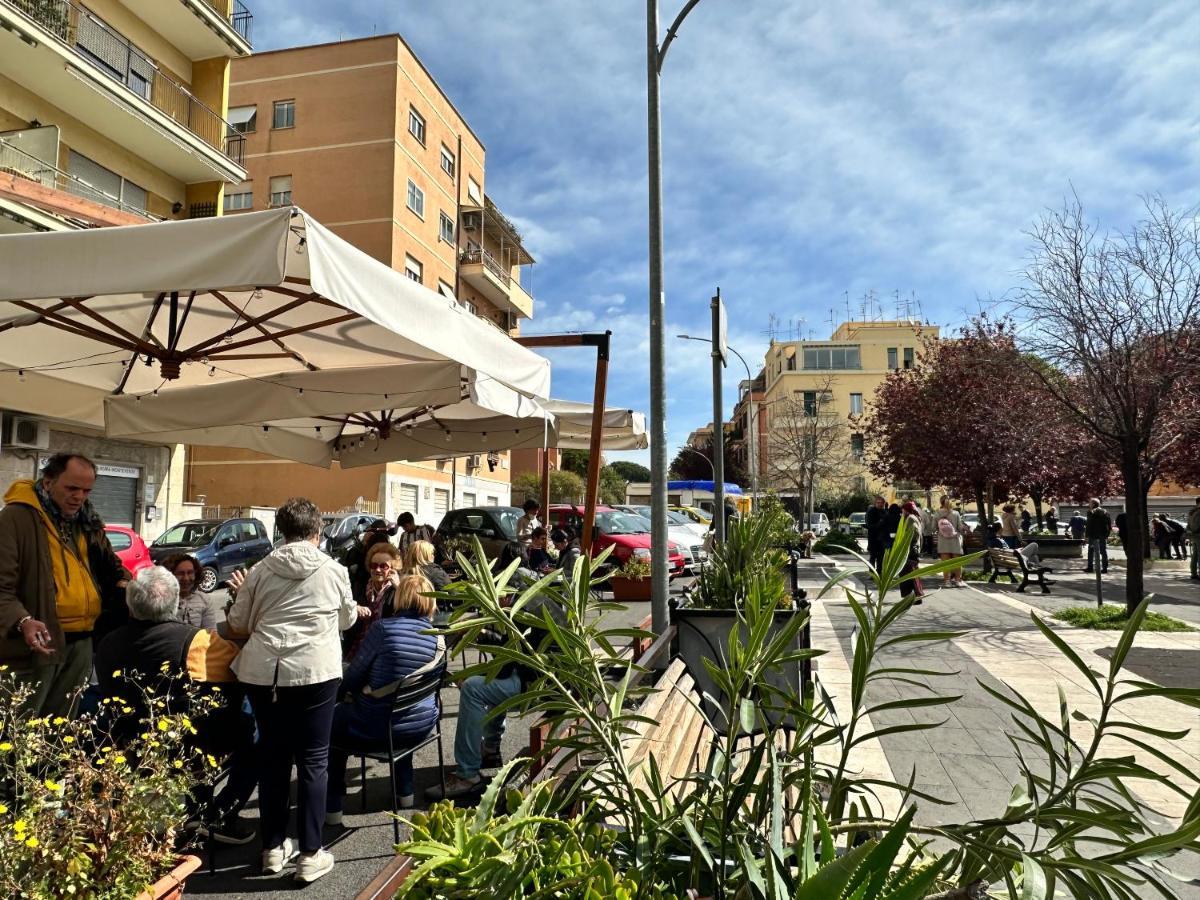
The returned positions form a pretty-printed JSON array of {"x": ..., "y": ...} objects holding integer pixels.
[{"x": 1099, "y": 525}]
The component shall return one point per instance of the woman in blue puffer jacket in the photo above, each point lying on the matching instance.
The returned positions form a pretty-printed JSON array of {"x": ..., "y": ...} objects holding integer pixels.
[{"x": 392, "y": 649}]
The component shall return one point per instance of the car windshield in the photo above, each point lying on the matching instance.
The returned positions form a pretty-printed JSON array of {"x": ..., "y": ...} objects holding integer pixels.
[
  {"x": 613, "y": 521},
  {"x": 190, "y": 534},
  {"x": 508, "y": 519},
  {"x": 673, "y": 517},
  {"x": 858, "y": 517}
]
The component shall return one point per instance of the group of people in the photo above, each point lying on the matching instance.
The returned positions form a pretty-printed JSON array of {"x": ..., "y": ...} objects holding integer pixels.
[
  {"x": 936, "y": 533},
  {"x": 308, "y": 654}
]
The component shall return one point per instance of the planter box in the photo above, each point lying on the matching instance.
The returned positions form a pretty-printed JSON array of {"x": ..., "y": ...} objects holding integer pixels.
[
  {"x": 704, "y": 634},
  {"x": 630, "y": 588},
  {"x": 384, "y": 885},
  {"x": 171, "y": 885},
  {"x": 1058, "y": 547}
]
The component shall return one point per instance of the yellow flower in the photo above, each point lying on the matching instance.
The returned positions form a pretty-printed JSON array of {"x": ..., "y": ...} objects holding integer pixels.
[
  {"x": 106, "y": 750},
  {"x": 211, "y": 760},
  {"x": 178, "y": 763},
  {"x": 68, "y": 740},
  {"x": 119, "y": 760},
  {"x": 20, "y": 825},
  {"x": 126, "y": 709},
  {"x": 3, "y": 809},
  {"x": 163, "y": 724},
  {"x": 155, "y": 744},
  {"x": 52, "y": 785},
  {"x": 58, "y": 720},
  {"x": 5, "y": 747},
  {"x": 32, "y": 842},
  {"x": 116, "y": 673}
]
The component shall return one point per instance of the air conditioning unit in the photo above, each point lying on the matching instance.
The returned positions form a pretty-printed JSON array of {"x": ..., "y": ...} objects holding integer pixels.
[
  {"x": 473, "y": 461},
  {"x": 22, "y": 431},
  {"x": 471, "y": 221}
]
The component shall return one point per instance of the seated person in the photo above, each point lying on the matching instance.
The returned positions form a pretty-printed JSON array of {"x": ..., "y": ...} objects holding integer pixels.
[
  {"x": 418, "y": 560},
  {"x": 568, "y": 551},
  {"x": 394, "y": 648},
  {"x": 195, "y": 607},
  {"x": 540, "y": 559},
  {"x": 382, "y": 562},
  {"x": 994, "y": 541},
  {"x": 355, "y": 560},
  {"x": 140, "y": 648},
  {"x": 1030, "y": 552},
  {"x": 477, "y": 736}
]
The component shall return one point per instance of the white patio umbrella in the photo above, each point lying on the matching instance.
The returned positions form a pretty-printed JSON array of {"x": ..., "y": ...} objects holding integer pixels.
[
  {"x": 622, "y": 429},
  {"x": 254, "y": 308}
]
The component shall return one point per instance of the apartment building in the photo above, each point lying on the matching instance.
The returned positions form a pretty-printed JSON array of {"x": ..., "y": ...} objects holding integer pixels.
[
  {"x": 359, "y": 134},
  {"x": 112, "y": 112},
  {"x": 831, "y": 383}
]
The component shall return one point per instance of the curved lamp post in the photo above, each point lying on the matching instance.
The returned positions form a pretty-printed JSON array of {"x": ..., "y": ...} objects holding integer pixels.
[{"x": 656, "y": 55}]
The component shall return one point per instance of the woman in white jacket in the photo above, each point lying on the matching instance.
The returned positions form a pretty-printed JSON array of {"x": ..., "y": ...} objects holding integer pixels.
[{"x": 292, "y": 608}]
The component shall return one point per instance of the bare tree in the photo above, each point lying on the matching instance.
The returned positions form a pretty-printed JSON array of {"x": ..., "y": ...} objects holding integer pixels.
[
  {"x": 808, "y": 444},
  {"x": 1118, "y": 318}
]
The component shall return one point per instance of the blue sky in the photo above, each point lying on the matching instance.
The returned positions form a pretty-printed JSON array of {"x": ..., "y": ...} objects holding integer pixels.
[{"x": 812, "y": 152}]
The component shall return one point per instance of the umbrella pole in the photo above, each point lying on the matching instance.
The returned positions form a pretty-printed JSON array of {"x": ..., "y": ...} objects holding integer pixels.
[
  {"x": 593, "y": 469},
  {"x": 545, "y": 497}
]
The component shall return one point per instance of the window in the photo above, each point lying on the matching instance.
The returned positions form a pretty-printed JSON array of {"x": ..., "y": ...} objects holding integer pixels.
[
  {"x": 447, "y": 161},
  {"x": 239, "y": 198},
  {"x": 416, "y": 125},
  {"x": 832, "y": 358},
  {"x": 493, "y": 501},
  {"x": 446, "y": 229},
  {"x": 407, "y": 498},
  {"x": 445, "y": 290},
  {"x": 441, "y": 501},
  {"x": 908, "y": 357},
  {"x": 416, "y": 198},
  {"x": 469, "y": 307},
  {"x": 857, "y": 446},
  {"x": 119, "y": 540},
  {"x": 810, "y": 403},
  {"x": 474, "y": 191},
  {"x": 284, "y": 114},
  {"x": 413, "y": 269},
  {"x": 281, "y": 190},
  {"x": 243, "y": 119},
  {"x": 468, "y": 499},
  {"x": 856, "y": 404},
  {"x": 892, "y": 358}
]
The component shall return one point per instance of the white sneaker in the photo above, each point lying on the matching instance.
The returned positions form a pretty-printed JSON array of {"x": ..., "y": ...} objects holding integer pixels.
[
  {"x": 333, "y": 818},
  {"x": 406, "y": 801},
  {"x": 311, "y": 866},
  {"x": 274, "y": 859}
]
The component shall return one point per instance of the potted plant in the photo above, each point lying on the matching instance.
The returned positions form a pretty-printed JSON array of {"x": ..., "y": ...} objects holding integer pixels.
[
  {"x": 85, "y": 816},
  {"x": 632, "y": 580}
]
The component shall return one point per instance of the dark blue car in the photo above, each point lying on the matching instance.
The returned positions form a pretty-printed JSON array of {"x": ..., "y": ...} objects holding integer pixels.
[{"x": 221, "y": 546}]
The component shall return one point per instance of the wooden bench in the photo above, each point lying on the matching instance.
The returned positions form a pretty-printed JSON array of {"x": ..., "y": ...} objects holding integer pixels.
[{"x": 1012, "y": 561}]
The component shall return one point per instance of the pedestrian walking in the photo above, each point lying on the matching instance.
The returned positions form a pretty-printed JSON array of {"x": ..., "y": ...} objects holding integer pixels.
[
  {"x": 912, "y": 586},
  {"x": 928, "y": 532},
  {"x": 1009, "y": 529},
  {"x": 292, "y": 607},
  {"x": 875, "y": 516},
  {"x": 1193, "y": 527},
  {"x": 58, "y": 572},
  {"x": 949, "y": 540},
  {"x": 1077, "y": 524},
  {"x": 1098, "y": 528},
  {"x": 1177, "y": 532}
]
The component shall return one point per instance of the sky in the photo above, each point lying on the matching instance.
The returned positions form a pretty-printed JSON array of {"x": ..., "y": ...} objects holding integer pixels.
[{"x": 813, "y": 153}]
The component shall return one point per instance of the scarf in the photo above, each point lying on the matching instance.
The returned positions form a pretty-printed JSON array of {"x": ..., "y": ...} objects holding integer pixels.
[{"x": 86, "y": 520}]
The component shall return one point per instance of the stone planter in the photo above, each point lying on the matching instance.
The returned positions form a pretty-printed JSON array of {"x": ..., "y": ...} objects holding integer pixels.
[
  {"x": 1057, "y": 547},
  {"x": 704, "y": 634},
  {"x": 629, "y": 588},
  {"x": 171, "y": 885}
]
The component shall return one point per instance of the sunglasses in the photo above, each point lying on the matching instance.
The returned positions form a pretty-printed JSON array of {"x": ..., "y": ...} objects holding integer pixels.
[{"x": 381, "y": 565}]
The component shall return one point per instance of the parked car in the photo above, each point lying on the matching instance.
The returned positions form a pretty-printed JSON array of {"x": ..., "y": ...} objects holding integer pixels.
[
  {"x": 685, "y": 532},
  {"x": 628, "y": 534},
  {"x": 130, "y": 548},
  {"x": 858, "y": 524},
  {"x": 495, "y": 526},
  {"x": 220, "y": 546},
  {"x": 341, "y": 530},
  {"x": 695, "y": 513},
  {"x": 818, "y": 524}
]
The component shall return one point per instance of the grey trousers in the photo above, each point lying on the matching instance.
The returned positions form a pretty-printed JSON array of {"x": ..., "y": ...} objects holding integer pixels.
[{"x": 55, "y": 686}]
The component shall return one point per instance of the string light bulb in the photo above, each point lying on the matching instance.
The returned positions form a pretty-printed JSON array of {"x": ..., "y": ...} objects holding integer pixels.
[
  {"x": 212, "y": 371},
  {"x": 447, "y": 437},
  {"x": 20, "y": 375},
  {"x": 257, "y": 295}
]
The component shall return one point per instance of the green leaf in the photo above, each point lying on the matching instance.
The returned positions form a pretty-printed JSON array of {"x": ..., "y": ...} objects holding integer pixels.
[
  {"x": 746, "y": 713},
  {"x": 1127, "y": 636},
  {"x": 1033, "y": 880},
  {"x": 1068, "y": 652},
  {"x": 833, "y": 876}
]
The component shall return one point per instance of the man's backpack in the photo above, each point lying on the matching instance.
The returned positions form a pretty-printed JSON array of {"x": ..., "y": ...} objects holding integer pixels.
[{"x": 946, "y": 528}]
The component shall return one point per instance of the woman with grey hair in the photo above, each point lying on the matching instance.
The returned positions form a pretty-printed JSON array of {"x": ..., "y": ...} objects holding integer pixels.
[
  {"x": 153, "y": 596},
  {"x": 292, "y": 608}
]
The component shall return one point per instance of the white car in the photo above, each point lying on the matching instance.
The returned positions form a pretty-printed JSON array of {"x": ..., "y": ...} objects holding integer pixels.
[
  {"x": 683, "y": 531},
  {"x": 818, "y": 524}
]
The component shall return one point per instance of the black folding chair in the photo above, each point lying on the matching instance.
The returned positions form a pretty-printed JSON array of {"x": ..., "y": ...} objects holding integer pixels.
[{"x": 409, "y": 692}]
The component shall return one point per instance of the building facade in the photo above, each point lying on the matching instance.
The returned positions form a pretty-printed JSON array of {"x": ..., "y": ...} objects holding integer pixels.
[
  {"x": 359, "y": 134},
  {"x": 113, "y": 112},
  {"x": 816, "y": 393}
]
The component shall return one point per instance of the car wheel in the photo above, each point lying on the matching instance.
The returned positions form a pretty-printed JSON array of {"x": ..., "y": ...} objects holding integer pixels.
[{"x": 208, "y": 580}]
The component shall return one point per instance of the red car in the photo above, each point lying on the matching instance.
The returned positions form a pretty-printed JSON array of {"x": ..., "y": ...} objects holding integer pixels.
[
  {"x": 130, "y": 547},
  {"x": 624, "y": 532}
]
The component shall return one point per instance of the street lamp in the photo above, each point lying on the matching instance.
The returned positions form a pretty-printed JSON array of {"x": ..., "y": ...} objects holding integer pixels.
[
  {"x": 751, "y": 416},
  {"x": 655, "y": 57},
  {"x": 692, "y": 449}
]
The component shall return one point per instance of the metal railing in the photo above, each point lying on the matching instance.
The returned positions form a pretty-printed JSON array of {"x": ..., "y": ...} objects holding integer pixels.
[
  {"x": 120, "y": 59},
  {"x": 15, "y": 161},
  {"x": 474, "y": 255},
  {"x": 238, "y": 16}
]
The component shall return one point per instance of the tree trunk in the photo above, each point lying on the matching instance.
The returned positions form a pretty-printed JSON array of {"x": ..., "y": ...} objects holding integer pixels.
[
  {"x": 979, "y": 505},
  {"x": 1146, "y": 546},
  {"x": 1037, "y": 506},
  {"x": 1135, "y": 529}
]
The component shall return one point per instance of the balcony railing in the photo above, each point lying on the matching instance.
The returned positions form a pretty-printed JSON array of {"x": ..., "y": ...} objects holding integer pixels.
[
  {"x": 240, "y": 17},
  {"x": 116, "y": 56},
  {"x": 15, "y": 161},
  {"x": 476, "y": 255}
]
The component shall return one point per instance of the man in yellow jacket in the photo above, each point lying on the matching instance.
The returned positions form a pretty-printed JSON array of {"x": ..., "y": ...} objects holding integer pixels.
[{"x": 56, "y": 568}]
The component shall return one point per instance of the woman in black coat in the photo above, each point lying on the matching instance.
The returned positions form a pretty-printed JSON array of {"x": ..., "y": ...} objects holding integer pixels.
[{"x": 875, "y": 516}]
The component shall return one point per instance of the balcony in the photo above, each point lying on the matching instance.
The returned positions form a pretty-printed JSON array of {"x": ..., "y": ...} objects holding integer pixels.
[
  {"x": 63, "y": 53},
  {"x": 202, "y": 29},
  {"x": 48, "y": 190},
  {"x": 484, "y": 272}
]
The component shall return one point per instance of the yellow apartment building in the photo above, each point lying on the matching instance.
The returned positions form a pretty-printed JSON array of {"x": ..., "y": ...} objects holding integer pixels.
[
  {"x": 834, "y": 381},
  {"x": 359, "y": 134},
  {"x": 113, "y": 112}
]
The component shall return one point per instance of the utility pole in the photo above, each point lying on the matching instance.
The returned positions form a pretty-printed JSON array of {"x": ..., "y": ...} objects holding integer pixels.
[{"x": 718, "y": 362}]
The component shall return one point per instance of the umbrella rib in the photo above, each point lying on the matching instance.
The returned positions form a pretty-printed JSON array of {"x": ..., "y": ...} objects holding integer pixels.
[
  {"x": 182, "y": 321},
  {"x": 248, "y": 324},
  {"x": 80, "y": 304},
  {"x": 149, "y": 330},
  {"x": 54, "y": 320},
  {"x": 10, "y": 325},
  {"x": 288, "y": 350},
  {"x": 299, "y": 329}
]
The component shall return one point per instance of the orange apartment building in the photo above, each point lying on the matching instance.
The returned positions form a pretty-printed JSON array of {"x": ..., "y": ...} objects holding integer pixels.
[{"x": 360, "y": 135}]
